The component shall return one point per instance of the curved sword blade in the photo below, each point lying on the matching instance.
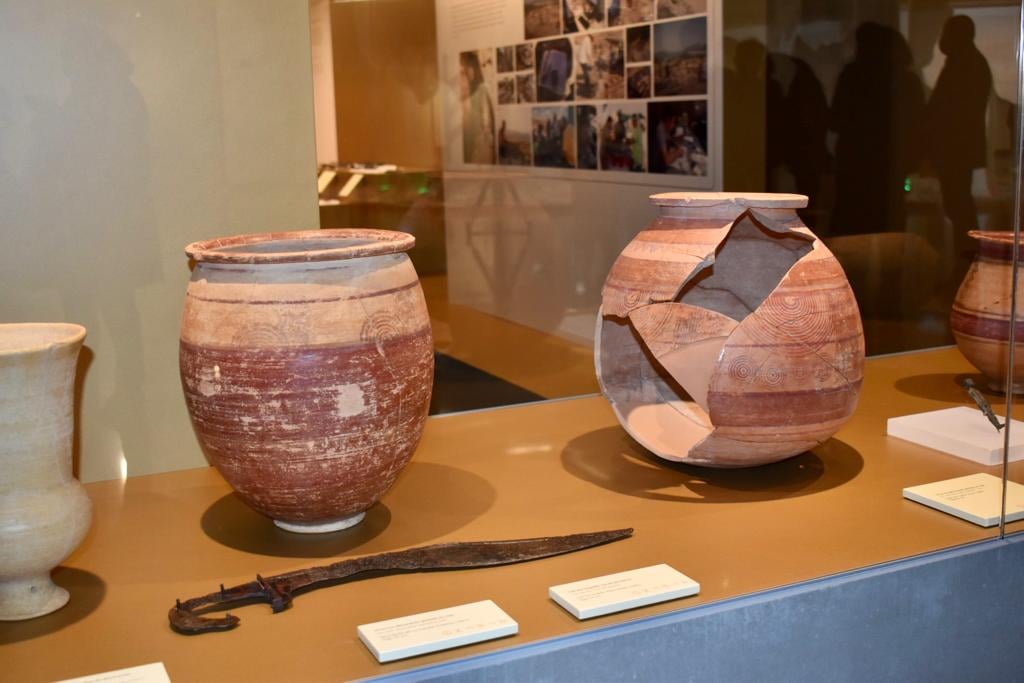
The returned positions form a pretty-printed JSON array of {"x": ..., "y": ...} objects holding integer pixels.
[{"x": 277, "y": 591}]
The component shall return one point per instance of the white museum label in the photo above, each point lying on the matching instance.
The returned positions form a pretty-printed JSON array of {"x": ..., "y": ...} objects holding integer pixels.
[
  {"x": 622, "y": 591},
  {"x": 147, "y": 673},
  {"x": 961, "y": 431},
  {"x": 976, "y": 498},
  {"x": 324, "y": 180},
  {"x": 441, "y": 629}
]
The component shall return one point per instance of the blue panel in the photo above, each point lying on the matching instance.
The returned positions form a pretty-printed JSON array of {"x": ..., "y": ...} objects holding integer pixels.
[{"x": 952, "y": 615}]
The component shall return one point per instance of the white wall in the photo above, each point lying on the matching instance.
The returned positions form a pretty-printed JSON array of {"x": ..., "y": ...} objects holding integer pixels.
[{"x": 128, "y": 129}]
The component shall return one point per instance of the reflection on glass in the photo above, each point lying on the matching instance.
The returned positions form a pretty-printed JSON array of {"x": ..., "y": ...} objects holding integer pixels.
[
  {"x": 905, "y": 166},
  {"x": 895, "y": 120}
]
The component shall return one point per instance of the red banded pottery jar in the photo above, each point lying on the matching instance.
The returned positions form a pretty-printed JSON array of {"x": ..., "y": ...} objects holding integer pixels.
[
  {"x": 981, "y": 311},
  {"x": 728, "y": 334},
  {"x": 307, "y": 364}
]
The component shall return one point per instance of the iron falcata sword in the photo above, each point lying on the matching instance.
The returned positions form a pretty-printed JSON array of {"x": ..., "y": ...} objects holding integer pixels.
[{"x": 278, "y": 591}]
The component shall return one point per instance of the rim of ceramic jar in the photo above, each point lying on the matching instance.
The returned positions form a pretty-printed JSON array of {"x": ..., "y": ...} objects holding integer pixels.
[
  {"x": 301, "y": 246},
  {"x": 37, "y": 336},
  {"x": 1000, "y": 236},
  {"x": 750, "y": 200}
]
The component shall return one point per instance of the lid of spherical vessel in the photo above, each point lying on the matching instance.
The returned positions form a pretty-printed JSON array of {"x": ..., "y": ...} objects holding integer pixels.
[{"x": 750, "y": 200}]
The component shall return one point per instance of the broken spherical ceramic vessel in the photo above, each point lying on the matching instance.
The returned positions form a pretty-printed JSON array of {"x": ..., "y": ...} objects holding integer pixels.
[
  {"x": 980, "y": 319},
  {"x": 44, "y": 511},
  {"x": 728, "y": 334},
  {"x": 307, "y": 365}
]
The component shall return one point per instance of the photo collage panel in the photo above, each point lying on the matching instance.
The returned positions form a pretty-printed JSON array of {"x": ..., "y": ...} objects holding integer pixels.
[{"x": 602, "y": 85}]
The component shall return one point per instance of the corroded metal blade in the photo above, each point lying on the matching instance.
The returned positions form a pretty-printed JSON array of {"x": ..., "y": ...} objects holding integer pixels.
[
  {"x": 278, "y": 591},
  {"x": 466, "y": 555}
]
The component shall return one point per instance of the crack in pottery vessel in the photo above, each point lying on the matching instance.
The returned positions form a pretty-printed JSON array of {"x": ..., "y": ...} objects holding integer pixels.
[
  {"x": 728, "y": 334},
  {"x": 307, "y": 365}
]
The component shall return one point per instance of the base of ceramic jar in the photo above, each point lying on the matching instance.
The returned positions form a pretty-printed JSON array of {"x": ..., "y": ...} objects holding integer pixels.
[
  {"x": 1000, "y": 387},
  {"x": 321, "y": 527},
  {"x": 30, "y": 597}
]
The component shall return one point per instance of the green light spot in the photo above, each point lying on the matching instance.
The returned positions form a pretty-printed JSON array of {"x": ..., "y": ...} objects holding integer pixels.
[{"x": 907, "y": 185}]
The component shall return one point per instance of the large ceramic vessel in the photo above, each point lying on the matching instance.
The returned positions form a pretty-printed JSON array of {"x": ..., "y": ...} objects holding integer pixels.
[
  {"x": 728, "y": 334},
  {"x": 307, "y": 364},
  {"x": 44, "y": 511},
  {"x": 981, "y": 311}
]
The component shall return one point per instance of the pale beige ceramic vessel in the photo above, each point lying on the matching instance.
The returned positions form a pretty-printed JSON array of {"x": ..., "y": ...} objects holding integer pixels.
[{"x": 44, "y": 511}]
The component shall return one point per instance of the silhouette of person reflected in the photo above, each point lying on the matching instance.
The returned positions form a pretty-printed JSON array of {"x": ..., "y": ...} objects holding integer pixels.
[
  {"x": 747, "y": 96},
  {"x": 956, "y": 124},
  {"x": 777, "y": 136},
  {"x": 876, "y": 112},
  {"x": 802, "y": 125}
]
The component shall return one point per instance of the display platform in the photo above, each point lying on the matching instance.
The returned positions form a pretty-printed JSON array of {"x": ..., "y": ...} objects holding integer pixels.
[{"x": 551, "y": 468}]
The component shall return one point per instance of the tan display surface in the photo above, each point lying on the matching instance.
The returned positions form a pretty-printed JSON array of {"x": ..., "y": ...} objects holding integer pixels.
[{"x": 550, "y": 468}]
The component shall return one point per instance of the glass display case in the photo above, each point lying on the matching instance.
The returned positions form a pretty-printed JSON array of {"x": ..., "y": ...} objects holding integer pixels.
[{"x": 739, "y": 276}]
